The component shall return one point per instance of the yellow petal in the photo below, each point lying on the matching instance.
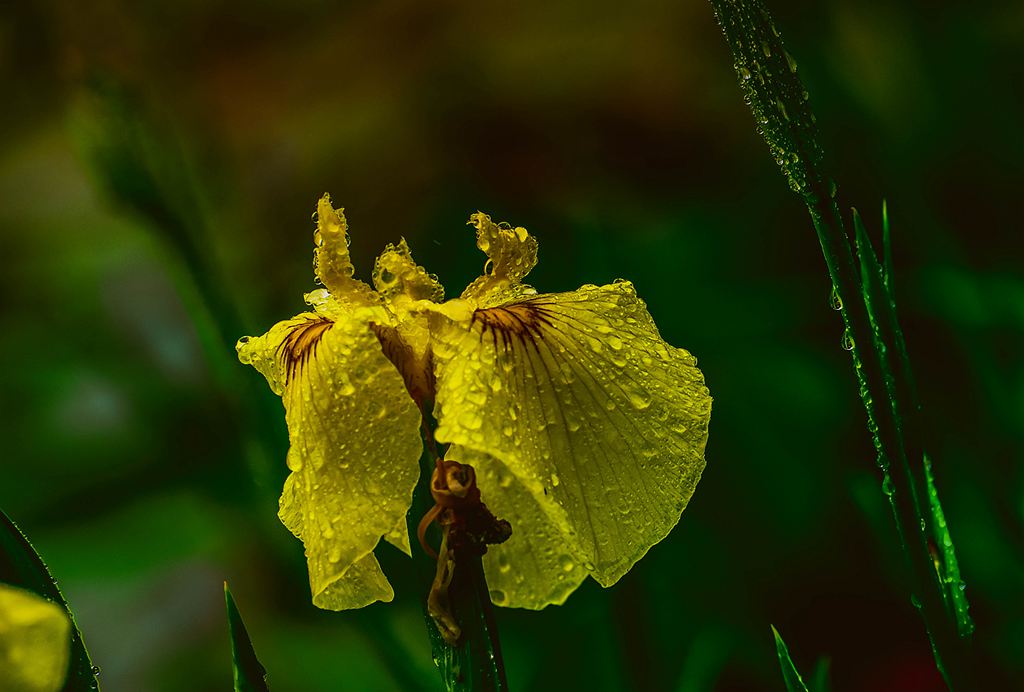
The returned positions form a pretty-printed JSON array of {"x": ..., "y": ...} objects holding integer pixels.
[
  {"x": 397, "y": 277},
  {"x": 331, "y": 262},
  {"x": 355, "y": 447},
  {"x": 575, "y": 397},
  {"x": 511, "y": 254},
  {"x": 34, "y": 642},
  {"x": 534, "y": 568},
  {"x": 405, "y": 285}
]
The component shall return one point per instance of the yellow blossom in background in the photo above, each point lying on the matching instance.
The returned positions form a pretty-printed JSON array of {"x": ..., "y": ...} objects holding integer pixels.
[
  {"x": 586, "y": 430},
  {"x": 35, "y": 640}
]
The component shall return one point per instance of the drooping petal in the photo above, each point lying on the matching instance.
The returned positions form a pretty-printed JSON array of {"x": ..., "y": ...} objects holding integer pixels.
[
  {"x": 35, "y": 638},
  {"x": 511, "y": 254},
  {"x": 355, "y": 446},
  {"x": 534, "y": 568},
  {"x": 331, "y": 262},
  {"x": 576, "y": 397}
]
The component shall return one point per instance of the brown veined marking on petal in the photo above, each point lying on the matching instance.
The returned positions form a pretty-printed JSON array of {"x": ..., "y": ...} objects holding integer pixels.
[
  {"x": 523, "y": 321},
  {"x": 300, "y": 345}
]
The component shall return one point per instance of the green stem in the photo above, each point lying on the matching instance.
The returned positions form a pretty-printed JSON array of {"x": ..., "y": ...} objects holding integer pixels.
[
  {"x": 476, "y": 663},
  {"x": 767, "y": 75}
]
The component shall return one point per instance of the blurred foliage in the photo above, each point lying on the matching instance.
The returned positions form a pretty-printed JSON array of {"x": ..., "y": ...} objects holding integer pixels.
[{"x": 146, "y": 466}]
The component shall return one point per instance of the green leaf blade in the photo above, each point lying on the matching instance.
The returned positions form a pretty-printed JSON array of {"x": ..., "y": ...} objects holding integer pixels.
[
  {"x": 21, "y": 565},
  {"x": 790, "y": 675},
  {"x": 249, "y": 673},
  {"x": 948, "y": 567},
  {"x": 767, "y": 74}
]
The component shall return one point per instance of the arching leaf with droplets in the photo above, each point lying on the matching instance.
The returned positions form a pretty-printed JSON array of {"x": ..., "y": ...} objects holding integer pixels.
[
  {"x": 20, "y": 565},
  {"x": 587, "y": 430},
  {"x": 772, "y": 88}
]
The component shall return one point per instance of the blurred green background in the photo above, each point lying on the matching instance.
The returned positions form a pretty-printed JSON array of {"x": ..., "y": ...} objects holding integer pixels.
[{"x": 159, "y": 165}]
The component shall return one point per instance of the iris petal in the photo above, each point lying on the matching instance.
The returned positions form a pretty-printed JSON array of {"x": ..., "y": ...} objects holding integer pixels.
[
  {"x": 576, "y": 397},
  {"x": 355, "y": 446},
  {"x": 331, "y": 262},
  {"x": 511, "y": 254}
]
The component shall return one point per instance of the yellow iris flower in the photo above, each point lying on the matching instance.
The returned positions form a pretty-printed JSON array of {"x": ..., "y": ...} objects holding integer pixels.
[{"x": 586, "y": 430}]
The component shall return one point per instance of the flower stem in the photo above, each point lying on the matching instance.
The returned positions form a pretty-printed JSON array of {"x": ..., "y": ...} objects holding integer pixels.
[
  {"x": 768, "y": 77},
  {"x": 475, "y": 663}
]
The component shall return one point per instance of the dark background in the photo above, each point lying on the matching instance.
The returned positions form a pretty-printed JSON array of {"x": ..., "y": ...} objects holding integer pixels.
[{"x": 159, "y": 165}]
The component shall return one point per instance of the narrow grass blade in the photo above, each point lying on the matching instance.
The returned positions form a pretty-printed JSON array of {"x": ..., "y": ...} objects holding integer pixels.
[
  {"x": 948, "y": 567},
  {"x": 887, "y": 251},
  {"x": 862, "y": 289},
  {"x": 790, "y": 675},
  {"x": 876, "y": 286},
  {"x": 250, "y": 675},
  {"x": 20, "y": 565}
]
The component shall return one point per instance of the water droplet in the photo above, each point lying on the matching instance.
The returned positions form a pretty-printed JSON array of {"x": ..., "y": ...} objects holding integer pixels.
[
  {"x": 790, "y": 60},
  {"x": 744, "y": 73},
  {"x": 766, "y": 49},
  {"x": 835, "y": 300},
  {"x": 567, "y": 564},
  {"x": 498, "y": 597},
  {"x": 887, "y": 486},
  {"x": 554, "y": 480},
  {"x": 470, "y": 420},
  {"x": 95, "y": 670},
  {"x": 848, "y": 342},
  {"x": 503, "y": 564},
  {"x": 640, "y": 400}
]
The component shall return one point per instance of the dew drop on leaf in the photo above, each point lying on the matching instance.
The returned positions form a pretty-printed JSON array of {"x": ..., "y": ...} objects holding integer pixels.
[{"x": 847, "y": 341}]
